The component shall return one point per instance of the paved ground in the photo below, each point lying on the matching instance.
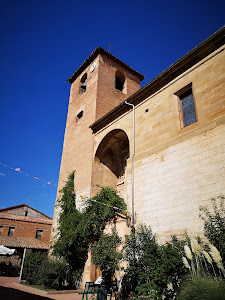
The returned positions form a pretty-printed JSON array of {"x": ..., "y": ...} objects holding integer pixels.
[{"x": 10, "y": 289}]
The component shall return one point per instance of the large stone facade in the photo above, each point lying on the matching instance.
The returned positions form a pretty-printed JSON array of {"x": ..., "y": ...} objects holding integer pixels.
[{"x": 177, "y": 168}]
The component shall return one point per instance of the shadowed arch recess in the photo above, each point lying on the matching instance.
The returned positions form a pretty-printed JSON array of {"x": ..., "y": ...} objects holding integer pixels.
[{"x": 111, "y": 159}]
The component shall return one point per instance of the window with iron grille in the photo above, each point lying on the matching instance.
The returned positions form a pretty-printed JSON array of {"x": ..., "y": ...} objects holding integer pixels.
[
  {"x": 188, "y": 109},
  {"x": 187, "y": 106}
]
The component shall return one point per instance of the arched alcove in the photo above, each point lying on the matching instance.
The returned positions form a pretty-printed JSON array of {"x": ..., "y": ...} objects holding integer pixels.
[
  {"x": 83, "y": 84},
  {"x": 119, "y": 81},
  {"x": 111, "y": 160}
]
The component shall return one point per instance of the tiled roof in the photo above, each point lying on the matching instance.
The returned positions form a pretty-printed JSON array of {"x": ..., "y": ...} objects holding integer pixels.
[
  {"x": 18, "y": 242},
  {"x": 25, "y": 219}
]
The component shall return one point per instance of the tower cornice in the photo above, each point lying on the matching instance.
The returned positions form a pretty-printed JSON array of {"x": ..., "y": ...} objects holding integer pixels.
[{"x": 94, "y": 54}]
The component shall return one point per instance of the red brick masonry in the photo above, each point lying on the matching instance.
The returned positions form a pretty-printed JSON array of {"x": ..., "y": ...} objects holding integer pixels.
[{"x": 24, "y": 234}]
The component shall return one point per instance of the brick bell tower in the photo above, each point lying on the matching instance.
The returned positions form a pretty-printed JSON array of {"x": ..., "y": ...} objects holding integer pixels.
[{"x": 97, "y": 86}]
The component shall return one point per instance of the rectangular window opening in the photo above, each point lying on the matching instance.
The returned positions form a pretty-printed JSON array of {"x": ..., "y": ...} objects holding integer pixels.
[
  {"x": 39, "y": 234},
  {"x": 11, "y": 231},
  {"x": 186, "y": 105},
  {"x": 1, "y": 230}
]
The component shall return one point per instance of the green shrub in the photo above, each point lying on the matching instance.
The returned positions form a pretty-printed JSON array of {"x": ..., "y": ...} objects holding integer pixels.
[
  {"x": 52, "y": 274},
  {"x": 151, "y": 267},
  {"x": 202, "y": 288},
  {"x": 55, "y": 274},
  {"x": 32, "y": 263},
  {"x": 150, "y": 290}
]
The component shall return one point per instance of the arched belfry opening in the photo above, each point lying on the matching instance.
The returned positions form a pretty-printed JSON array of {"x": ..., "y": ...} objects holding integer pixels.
[
  {"x": 111, "y": 160},
  {"x": 83, "y": 84},
  {"x": 119, "y": 81}
]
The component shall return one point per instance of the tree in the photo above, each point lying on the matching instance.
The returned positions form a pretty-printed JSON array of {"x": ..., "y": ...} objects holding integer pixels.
[{"x": 104, "y": 252}]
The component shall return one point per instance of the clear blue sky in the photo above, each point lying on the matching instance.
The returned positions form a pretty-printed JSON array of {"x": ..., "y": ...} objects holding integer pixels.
[{"x": 43, "y": 42}]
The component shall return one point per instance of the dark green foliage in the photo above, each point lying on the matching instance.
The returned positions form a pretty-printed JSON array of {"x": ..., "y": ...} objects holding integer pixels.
[
  {"x": 39, "y": 270},
  {"x": 32, "y": 264},
  {"x": 78, "y": 229},
  {"x": 214, "y": 224},
  {"x": 202, "y": 288},
  {"x": 55, "y": 274},
  {"x": 104, "y": 252},
  {"x": 67, "y": 201},
  {"x": 9, "y": 270},
  {"x": 71, "y": 244},
  {"x": 179, "y": 243},
  {"x": 150, "y": 265},
  {"x": 97, "y": 215},
  {"x": 149, "y": 289}
]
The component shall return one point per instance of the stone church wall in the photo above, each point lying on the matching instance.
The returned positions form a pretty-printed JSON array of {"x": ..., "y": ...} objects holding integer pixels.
[
  {"x": 171, "y": 185},
  {"x": 177, "y": 168}
]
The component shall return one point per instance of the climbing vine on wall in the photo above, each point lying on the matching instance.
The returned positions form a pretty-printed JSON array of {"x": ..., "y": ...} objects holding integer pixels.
[{"x": 77, "y": 229}]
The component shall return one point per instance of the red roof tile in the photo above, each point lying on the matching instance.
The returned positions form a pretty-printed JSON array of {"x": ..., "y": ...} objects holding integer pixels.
[
  {"x": 25, "y": 219},
  {"x": 18, "y": 242},
  {"x": 93, "y": 55}
]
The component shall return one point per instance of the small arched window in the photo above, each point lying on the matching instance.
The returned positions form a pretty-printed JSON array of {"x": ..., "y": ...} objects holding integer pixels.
[
  {"x": 83, "y": 83},
  {"x": 119, "y": 81}
]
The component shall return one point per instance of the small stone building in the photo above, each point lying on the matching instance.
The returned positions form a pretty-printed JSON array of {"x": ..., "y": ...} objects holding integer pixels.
[
  {"x": 161, "y": 146},
  {"x": 22, "y": 227}
]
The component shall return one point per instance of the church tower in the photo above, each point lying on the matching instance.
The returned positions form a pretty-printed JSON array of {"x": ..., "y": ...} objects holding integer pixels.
[{"x": 97, "y": 86}]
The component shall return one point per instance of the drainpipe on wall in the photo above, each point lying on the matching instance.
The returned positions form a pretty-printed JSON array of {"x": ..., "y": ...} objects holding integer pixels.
[{"x": 132, "y": 165}]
